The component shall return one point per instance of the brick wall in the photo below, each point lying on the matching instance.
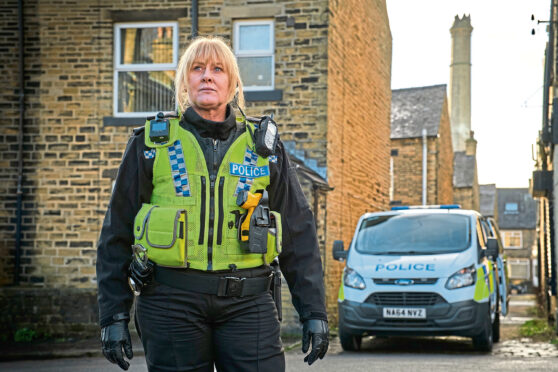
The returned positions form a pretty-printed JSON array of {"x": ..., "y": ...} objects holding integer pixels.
[
  {"x": 9, "y": 101},
  {"x": 359, "y": 101},
  {"x": 444, "y": 166}
]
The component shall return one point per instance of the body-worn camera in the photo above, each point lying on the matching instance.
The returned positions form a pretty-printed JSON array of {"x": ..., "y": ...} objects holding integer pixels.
[
  {"x": 159, "y": 129},
  {"x": 266, "y": 136}
]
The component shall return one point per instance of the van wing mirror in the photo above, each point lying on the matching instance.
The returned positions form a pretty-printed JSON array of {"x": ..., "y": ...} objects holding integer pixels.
[
  {"x": 339, "y": 252},
  {"x": 492, "y": 248}
]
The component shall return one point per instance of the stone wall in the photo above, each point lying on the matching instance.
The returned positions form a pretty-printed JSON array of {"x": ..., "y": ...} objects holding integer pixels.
[
  {"x": 359, "y": 103},
  {"x": 49, "y": 312}
]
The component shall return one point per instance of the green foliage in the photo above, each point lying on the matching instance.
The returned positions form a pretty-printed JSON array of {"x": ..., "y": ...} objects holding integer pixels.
[
  {"x": 25, "y": 335},
  {"x": 537, "y": 328}
]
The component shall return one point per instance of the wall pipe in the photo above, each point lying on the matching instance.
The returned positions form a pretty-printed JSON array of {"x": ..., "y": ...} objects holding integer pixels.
[
  {"x": 194, "y": 18},
  {"x": 424, "y": 165},
  {"x": 17, "y": 258}
]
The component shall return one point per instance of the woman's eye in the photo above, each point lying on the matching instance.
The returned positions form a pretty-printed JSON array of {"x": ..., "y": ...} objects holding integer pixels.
[
  {"x": 218, "y": 69},
  {"x": 196, "y": 68}
]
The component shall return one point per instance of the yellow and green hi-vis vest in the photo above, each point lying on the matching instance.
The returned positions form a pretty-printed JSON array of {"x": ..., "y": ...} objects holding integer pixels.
[{"x": 175, "y": 226}]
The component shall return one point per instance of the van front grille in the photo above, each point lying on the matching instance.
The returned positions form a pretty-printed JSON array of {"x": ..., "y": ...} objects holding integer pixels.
[{"x": 405, "y": 299}]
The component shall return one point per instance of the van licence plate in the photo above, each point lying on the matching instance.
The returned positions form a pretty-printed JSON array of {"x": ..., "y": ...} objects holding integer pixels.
[{"x": 404, "y": 313}]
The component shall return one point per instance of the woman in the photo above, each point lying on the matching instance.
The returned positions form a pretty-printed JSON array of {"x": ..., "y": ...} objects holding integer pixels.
[{"x": 208, "y": 302}]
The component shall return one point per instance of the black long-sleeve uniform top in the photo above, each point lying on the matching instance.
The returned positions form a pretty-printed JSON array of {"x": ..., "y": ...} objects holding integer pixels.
[{"x": 299, "y": 261}]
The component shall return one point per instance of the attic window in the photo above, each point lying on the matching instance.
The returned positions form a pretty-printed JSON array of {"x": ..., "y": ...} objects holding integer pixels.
[{"x": 511, "y": 208}]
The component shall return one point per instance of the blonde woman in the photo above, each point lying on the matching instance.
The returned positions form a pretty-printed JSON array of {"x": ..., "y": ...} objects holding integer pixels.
[{"x": 208, "y": 201}]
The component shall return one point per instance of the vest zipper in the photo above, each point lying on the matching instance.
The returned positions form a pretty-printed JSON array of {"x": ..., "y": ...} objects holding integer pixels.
[
  {"x": 202, "y": 214},
  {"x": 221, "y": 212},
  {"x": 212, "y": 178}
]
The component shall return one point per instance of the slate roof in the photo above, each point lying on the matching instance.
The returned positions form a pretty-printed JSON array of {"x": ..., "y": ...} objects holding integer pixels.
[
  {"x": 413, "y": 109},
  {"x": 487, "y": 200},
  {"x": 464, "y": 167},
  {"x": 526, "y": 215}
]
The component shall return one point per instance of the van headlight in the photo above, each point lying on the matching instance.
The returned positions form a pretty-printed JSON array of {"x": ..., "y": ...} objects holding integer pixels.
[
  {"x": 353, "y": 279},
  {"x": 463, "y": 278}
]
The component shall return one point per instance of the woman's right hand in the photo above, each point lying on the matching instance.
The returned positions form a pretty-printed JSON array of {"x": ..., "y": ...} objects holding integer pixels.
[{"x": 114, "y": 338}]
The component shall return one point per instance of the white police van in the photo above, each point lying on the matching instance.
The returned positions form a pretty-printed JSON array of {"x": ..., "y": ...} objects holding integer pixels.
[{"x": 422, "y": 271}]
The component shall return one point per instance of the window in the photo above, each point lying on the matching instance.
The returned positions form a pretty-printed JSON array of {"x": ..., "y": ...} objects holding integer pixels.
[
  {"x": 519, "y": 269},
  {"x": 511, "y": 208},
  {"x": 254, "y": 47},
  {"x": 512, "y": 239},
  {"x": 145, "y": 59}
]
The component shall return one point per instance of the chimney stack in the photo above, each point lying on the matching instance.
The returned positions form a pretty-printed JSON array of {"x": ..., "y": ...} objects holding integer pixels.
[
  {"x": 471, "y": 145},
  {"x": 460, "y": 82}
]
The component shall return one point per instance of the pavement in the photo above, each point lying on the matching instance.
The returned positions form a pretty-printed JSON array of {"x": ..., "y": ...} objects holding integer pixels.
[{"x": 521, "y": 308}]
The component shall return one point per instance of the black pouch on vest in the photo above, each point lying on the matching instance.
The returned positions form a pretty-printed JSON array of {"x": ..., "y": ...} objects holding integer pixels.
[{"x": 259, "y": 224}]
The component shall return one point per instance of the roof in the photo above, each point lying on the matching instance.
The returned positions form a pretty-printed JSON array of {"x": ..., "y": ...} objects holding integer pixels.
[
  {"x": 464, "y": 167},
  {"x": 522, "y": 215},
  {"x": 307, "y": 167},
  {"x": 413, "y": 109},
  {"x": 487, "y": 199}
]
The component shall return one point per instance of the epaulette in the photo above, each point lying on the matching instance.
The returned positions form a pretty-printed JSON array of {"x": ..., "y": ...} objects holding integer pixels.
[
  {"x": 253, "y": 120},
  {"x": 138, "y": 130}
]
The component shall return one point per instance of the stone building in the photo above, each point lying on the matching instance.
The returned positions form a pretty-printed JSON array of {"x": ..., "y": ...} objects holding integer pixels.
[
  {"x": 412, "y": 111},
  {"x": 517, "y": 219},
  {"x": 92, "y": 70},
  {"x": 466, "y": 190}
]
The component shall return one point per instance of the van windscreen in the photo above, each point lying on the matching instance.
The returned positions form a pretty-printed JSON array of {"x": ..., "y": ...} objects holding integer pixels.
[{"x": 414, "y": 234}]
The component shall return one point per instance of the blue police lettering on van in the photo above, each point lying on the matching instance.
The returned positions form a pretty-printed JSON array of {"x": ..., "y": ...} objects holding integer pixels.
[
  {"x": 406, "y": 267},
  {"x": 248, "y": 171}
]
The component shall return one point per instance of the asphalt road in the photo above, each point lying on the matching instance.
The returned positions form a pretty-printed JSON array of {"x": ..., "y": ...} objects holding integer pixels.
[{"x": 393, "y": 355}]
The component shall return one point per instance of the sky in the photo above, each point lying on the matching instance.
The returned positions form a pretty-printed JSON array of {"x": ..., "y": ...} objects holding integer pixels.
[{"x": 507, "y": 73}]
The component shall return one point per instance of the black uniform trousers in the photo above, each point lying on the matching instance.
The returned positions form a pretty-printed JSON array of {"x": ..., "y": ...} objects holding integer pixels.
[{"x": 189, "y": 331}]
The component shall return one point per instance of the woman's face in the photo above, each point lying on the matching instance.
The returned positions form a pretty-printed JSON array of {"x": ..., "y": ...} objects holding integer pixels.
[{"x": 208, "y": 86}]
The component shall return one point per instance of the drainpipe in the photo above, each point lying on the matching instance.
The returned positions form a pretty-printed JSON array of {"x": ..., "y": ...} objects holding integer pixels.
[
  {"x": 194, "y": 18},
  {"x": 17, "y": 257},
  {"x": 424, "y": 163}
]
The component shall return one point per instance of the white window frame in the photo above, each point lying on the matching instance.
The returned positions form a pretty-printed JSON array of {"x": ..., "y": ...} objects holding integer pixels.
[
  {"x": 256, "y": 53},
  {"x": 525, "y": 262},
  {"x": 512, "y": 232},
  {"x": 119, "y": 67}
]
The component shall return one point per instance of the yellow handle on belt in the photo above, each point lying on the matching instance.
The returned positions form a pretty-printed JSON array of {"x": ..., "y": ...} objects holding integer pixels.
[{"x": 248, "y": 201}]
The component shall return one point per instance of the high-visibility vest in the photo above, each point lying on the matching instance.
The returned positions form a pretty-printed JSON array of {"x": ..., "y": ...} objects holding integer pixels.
[{"x": 175, "y": 227}]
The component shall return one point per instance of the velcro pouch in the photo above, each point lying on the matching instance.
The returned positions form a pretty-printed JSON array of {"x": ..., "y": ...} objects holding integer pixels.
[
  {"x": 274, "y": 236},
  {"x": 162, "y": 231}
]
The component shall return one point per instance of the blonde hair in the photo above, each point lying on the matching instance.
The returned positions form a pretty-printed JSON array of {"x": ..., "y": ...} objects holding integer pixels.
[{"x": 208, "y": 49}]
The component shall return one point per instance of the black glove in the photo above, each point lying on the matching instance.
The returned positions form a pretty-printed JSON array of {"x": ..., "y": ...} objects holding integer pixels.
[
  {"x": 317, "y": 330},
  {"x": 114, "y": 337}
]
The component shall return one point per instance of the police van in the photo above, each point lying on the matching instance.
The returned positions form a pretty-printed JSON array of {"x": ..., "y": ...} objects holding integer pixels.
[{"x": 422, "y": 271}]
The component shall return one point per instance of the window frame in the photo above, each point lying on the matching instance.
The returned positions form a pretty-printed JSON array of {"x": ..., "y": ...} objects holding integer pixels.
[
  {"x": 519, "y": 261},
  {"x": 511, "y": 232},
  {"x": 119, "y": 67},
  {"x": 258, "y": 52}
]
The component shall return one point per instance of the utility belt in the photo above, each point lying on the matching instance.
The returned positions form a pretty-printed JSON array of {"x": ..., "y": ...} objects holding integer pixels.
[
  {"x": 142, "y": 272},
  {"x": 214, "y": 284}
]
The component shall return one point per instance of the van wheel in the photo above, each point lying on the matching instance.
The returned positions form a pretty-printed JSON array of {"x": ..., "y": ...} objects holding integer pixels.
[
  {"x": 496, "y": 328},
  {"x": 349, "y": 342},
  {"x": 484, "y": 340}
]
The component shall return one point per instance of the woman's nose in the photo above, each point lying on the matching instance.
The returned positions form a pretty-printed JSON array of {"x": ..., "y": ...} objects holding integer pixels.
[{"x": 207, "y": 75}]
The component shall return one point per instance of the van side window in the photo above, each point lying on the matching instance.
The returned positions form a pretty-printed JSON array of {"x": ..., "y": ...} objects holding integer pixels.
[
  {"x": 487, "y": 229},
  {"x": 481, "y": 237}
]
